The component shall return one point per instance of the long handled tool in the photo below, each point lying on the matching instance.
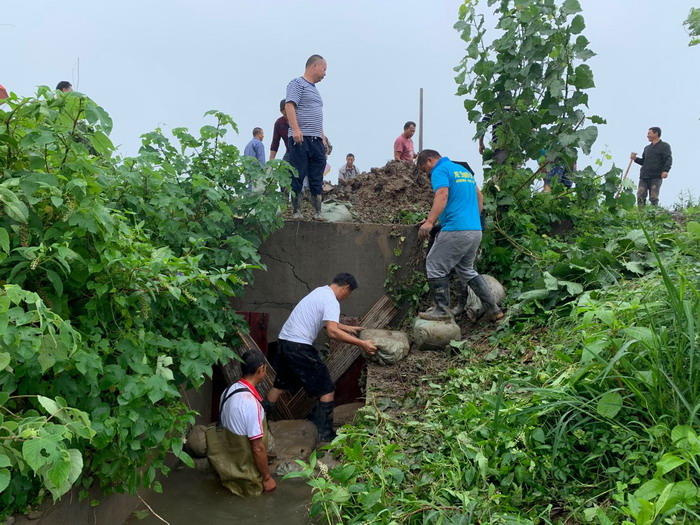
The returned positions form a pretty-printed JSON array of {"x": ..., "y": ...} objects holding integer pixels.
[{"x": 619, "y": 190}]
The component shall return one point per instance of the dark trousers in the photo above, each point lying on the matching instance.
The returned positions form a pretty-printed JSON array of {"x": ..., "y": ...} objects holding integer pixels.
[
  {"x": 309, "y": 159},
  {"x": 651, "y": 187}
]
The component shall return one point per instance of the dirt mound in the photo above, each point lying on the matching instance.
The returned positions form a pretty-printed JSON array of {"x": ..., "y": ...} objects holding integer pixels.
[{"x": 396, "y": 193}]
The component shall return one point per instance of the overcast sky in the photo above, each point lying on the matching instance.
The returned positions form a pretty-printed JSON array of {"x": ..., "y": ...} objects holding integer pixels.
[{"x": 157, "y": 63}]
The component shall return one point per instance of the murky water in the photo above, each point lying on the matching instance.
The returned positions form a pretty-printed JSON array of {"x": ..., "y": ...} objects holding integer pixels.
[{"x": 193, "y": 496}]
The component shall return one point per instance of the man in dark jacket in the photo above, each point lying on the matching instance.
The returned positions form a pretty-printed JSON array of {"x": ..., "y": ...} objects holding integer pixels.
[{"x": 656, "y": 163}]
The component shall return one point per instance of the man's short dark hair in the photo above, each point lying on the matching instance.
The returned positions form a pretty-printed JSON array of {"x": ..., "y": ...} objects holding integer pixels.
[
  {"x": 656, "y": 130},
  {"x": 426, "y": 154},
  {"x": 63, "y": 84},
  {"x": 257, "y": 131},
  {"x": 409, "y": 124},
  {"x": 349, "y": 155},
  {"x": 343, "y": 279},
  {"x": 313, "y": 59},
  {"x": 252, "y": 361},
  {"x": 283, "y": 102}
]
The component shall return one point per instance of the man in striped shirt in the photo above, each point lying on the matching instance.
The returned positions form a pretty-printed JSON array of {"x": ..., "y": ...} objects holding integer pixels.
[{"x": 307, "y": 150}]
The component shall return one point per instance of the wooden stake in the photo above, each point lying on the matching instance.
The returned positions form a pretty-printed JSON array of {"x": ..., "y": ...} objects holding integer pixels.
[{"x": 619, "y": 190}]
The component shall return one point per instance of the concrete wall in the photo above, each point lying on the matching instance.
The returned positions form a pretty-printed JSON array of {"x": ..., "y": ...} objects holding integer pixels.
[{"x": 304, "y": 255}]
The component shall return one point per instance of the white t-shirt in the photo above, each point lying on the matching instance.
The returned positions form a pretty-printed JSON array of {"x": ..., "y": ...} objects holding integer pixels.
[
  {"x": 309, "y": 316},
  {"x": 243, "y": 413}
]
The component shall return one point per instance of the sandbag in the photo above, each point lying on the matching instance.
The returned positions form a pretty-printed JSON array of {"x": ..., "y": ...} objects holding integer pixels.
[
  {"x": 474, "y": 306},
  {"x": 434, "y": 335},
  {"x": 196, "y": 442},
  {"x": 336, "y": 211},
  {"x": 392, "y": 345}
]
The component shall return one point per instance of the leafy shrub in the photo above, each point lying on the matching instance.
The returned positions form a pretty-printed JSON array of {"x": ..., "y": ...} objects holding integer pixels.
[{"x": 117, "y": 275}]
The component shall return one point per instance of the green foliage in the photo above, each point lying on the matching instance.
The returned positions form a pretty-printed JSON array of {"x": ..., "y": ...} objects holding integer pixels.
[
  {"x": 601, "y": 427},
  {"x": 117, "y": 275},
  {"x": 692, "y": 25}
]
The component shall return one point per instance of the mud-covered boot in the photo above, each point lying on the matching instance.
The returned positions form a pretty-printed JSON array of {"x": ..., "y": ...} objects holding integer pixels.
[
  {"x": 316, "y": 202},
  {"x": 296, "y": 206},
  {"x": 490, "y": 310},
  {"x": 440, "y": 289},
  {"x": 323, "y": 419},
  {"x": 461, "y": 300}
]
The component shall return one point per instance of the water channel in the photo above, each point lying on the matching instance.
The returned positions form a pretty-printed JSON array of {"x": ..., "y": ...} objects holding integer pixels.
[{"x": 195, "y": 496}]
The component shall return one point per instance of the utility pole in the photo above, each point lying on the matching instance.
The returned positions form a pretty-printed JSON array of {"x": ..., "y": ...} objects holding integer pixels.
[{"x": 420, "y": 122}]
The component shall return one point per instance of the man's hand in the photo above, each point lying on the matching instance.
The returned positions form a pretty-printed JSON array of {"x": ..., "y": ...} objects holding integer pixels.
[
  {"x": 633, "y": 156},
  {"x": 269, "y": 485},
  {"x": 368, "y": 346},
  {"x": 425, "y": 228},
  {"x": 664, "y": 174},
  {"x": 297, "y": 136}
]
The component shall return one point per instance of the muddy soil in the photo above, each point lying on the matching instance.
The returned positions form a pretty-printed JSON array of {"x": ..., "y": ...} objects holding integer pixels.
[{"x": 395, "y": 193}]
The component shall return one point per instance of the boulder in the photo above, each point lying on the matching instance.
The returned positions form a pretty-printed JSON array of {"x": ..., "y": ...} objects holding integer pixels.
[
  {"x": 392, "y": 345},
  {"x": 434, "y": 335}
]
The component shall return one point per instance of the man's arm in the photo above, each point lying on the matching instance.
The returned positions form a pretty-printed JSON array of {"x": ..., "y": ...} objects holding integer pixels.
[
  {"x": 398, "y": 149},
  {"x": 439, "y": 203},
  {"x": 480, "y": 199},
  {"x": 291, "y": 109},
  {"x": 668, "y": 161},
  {"x": 350, "y": 329},
  {"x": 275, "y": 145},
  {"x": 481, "y": 146},
  {"x": 260, "y": 457},
  {"x": 335, "y": 332},
  {"x": 636, "y": 159},
  {"x": 261, "y": 153}
]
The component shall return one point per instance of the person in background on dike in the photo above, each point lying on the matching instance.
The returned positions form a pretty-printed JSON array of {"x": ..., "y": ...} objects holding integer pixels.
[
  {"x": 656, "y": 163},
  {"x": 281, "y": 132},
  {"x": 403, "y": 145},
  {"x": 64, "y": 86},
  {"x": 457, "y": 204},
  {"x": 256, "y": 149},
  {"x": 243, "y": 418},
  {"x": 307, "y": 150},
  {"x": 297, "y": 362},
  {"x": 349, "y": 171}
]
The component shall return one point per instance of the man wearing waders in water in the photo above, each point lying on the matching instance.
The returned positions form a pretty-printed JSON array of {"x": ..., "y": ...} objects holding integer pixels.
[
  {"x": 298, "y": 363},
  {"x": 237, "y": 447}
]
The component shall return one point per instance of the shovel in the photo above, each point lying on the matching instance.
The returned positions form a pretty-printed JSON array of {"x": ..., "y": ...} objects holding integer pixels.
[{"x": 619, "y": 190}]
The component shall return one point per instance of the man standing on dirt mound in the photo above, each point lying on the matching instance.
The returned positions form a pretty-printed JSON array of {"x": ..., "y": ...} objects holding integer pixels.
[
  {"x": 403, "y": 145},
  {"x": 457, "y": 204},
  {"x": 307, "y": 149},
  {"x": 656, "y": 163},
  {"x": 298, "y": 363}
]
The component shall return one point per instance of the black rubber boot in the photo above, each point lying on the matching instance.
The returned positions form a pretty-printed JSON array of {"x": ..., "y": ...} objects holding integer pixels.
[
  {"x": 461, "y": 300},
  {"x": 440, "y": 289},
  {"x": 296, "y": 206},
  {"x": 490, "y": 310},
  {"x": 316, "y": 202},
  {"x": 323, "y": 413}
]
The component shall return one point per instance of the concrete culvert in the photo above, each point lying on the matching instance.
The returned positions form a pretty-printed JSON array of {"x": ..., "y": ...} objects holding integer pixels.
[
  {"x": 392, "y": 346},
  {"x": 434, "y": 335},
  {"x": 196, "y": 444}
]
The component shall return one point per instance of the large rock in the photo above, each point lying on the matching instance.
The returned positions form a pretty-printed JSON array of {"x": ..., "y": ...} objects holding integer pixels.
[
  {"x": 474, "y": 306},
  {"x": 434, "y": 335},
  {"x": 392, "y": 345}
]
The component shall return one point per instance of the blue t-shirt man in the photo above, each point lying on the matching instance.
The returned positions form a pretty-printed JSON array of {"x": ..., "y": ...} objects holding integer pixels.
[
  {"x": 457, "y": 204},
  {"x": 462, "y": 209}
]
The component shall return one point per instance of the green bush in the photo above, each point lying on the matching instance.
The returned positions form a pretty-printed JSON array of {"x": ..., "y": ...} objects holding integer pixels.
[{"x": 116, "y": 276}]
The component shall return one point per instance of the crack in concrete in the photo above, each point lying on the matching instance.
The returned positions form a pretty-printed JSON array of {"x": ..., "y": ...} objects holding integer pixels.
[{"x": 308, "y": 288}]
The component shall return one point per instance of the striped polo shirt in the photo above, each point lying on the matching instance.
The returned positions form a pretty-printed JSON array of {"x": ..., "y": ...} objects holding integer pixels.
[{"x": 309, "y": 106}]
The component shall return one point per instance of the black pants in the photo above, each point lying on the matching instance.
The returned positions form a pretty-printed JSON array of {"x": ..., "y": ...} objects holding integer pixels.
[
  {"x": 299, "y": 364},
  {"x": 309, "y": 159}
]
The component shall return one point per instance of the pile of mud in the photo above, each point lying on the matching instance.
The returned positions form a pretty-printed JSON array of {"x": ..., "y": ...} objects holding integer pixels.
[{"x": 396, "y": 193}]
